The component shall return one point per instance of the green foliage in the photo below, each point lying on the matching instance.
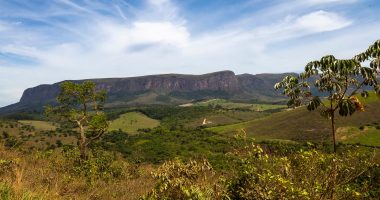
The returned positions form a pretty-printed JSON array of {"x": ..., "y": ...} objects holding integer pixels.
[
  {"x": 163, "y": 98},
  {"x": 339, "y": 79},
  {"x": 309, "y": 174},
  {"x": 99, "y": 165},
  {"x": 161, "y": 144},
  {"x": 177, "y": 180},
  {"x": 228, "y": 105},
  {"x": 201, "y": 94},
  {"x": 20, "y": 116},
  {"x": 8, "y": 166},
  {"x": 6, "y": 191},
  {"x": 81, "y": 105},
  {"x": 290, "y": 173},
  {"x": 11, "y": 141},
  {"x": 170, "y": 115}
]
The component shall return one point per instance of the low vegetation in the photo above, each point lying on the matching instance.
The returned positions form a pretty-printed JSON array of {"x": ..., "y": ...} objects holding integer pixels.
[{"x": 256, "y": 171}]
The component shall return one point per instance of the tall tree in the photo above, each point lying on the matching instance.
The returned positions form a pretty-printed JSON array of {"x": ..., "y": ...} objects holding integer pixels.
[
  {"x": 81, "y": 105},
  {"x": 338, "y": 80}
]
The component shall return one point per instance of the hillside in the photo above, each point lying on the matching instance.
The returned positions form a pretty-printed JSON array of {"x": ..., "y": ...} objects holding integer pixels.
[
  {"x": 168, "y": 89},
  {"x": 302, "y": 125}
]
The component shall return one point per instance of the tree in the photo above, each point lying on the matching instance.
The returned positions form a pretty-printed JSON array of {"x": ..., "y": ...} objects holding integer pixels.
[
  {"x": 338, "y": 80},
  {"x": 81, "y": 105}
]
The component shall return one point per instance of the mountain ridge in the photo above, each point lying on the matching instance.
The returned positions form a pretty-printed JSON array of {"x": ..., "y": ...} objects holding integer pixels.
[{"x": 163, "y": 89}]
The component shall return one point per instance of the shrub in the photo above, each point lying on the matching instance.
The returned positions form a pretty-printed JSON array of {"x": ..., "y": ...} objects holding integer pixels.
[
  {"x": 59, "y": 143},
  {"x": 99, "y": 165},
  {"x": 309, "y": 174},
  {"x": 5, "y": 134},
  {"x": 8, "y": 166},
  {"x": 177, "y": 180},
  {"x": 6, "y": 192}
]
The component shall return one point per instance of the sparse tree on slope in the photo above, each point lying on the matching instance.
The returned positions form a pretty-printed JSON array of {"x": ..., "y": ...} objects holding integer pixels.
[
  {"x": 339, "y": 80},
  {"x": 81, "y": 105}
]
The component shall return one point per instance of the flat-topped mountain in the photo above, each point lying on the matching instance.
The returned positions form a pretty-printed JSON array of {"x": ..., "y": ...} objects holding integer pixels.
[{"x": 164, "y": 89}]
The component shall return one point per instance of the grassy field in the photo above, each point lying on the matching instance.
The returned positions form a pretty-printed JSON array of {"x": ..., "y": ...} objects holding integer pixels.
[
  {"x": 39, "y": 125},
  {"x": 226, "y": 112},
  {"x": 43, "y": 134},
  {"x": 232, "y": 105},
  {"x": 366, "y": 135},
  {"x": 132, "y": 121},
  {"x": 225, "y": 117},
  {"x": 302, "y": 125}
]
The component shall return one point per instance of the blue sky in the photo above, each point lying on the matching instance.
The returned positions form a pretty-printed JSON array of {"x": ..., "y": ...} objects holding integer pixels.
[{"x": 48, "y": 41}]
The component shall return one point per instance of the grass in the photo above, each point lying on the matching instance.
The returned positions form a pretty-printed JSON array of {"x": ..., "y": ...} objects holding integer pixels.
[
  {"x": 366, "y": 135},
  {"x": 33, "y": 134},
  {"x": 302, "y": 125},
  {"x": 233, "y": 105},
  {"x": 49, "y": 175},
  {"x": 39, "y": 125},
  {"x": 193, "y": 116},
  {"x": 225, "y": 117},
  {"x": 132, "y": 121}
]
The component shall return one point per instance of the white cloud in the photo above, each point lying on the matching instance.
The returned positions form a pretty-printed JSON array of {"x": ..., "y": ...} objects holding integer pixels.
[
  {"x": 158, "y": 2},
  {"x": 160, "y": 10},
  {"x": 292, "y": 27},
  {"x": 118, "y": 38},
  {"x": 328, "y": 1},
  {"x": 322, "y": 21},
  {"x": 159, "y": 32}
]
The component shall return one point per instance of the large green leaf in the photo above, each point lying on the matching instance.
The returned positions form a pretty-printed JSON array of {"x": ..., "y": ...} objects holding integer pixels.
[
  {"x": 346, "y": 107},
  {"x": 314, "y": 103}
]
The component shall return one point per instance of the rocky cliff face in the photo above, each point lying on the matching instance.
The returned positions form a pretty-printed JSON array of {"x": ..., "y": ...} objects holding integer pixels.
[
  {"x": 40, "y": 94},
  {"x": 225, "y": 80},
  {"x": 261, "y": 83},
  {"x": 190, "y": 87}
]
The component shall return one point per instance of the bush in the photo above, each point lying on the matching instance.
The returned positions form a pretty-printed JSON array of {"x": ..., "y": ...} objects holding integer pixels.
[
  {"x": 309, "y": 174},
  {"x": 5, "y": 134},
  {"x": 6, "y": 192},
  {"x": 177, "y": 180},
  {"x": 8, "y": 166},
  {"x": 59, "y": 143},
  {"x": 99, "y": 165}
]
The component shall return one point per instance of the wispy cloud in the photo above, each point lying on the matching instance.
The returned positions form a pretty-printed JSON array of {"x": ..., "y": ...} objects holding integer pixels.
[
  {"x": 329, "y": 1},
  {"x": 86, "y": 39}
]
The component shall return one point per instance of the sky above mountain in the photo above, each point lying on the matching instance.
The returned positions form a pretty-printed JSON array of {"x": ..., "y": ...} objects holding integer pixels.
[{"x": 48, "y": 41}]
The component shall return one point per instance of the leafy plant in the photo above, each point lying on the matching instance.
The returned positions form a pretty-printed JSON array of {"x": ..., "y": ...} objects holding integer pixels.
[
  {"x": 81, "y": 105},
  {"x": 99, "y": 165},
  {"x": 177, "y": 180},
  {"x": 309, "y": 174},
  {"x": 339, "y": 80}
]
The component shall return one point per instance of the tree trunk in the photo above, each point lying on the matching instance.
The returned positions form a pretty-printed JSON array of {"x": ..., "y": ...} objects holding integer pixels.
[
  {"x": 82, "y": 144},
  {"x": 333, "y": 129},
  {"x": 83, "y": 152}
]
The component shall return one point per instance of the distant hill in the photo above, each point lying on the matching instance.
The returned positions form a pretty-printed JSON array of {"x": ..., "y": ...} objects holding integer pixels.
[
  {"x": 302, "y": 125},
  {"x": 164, "y": 89}
]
